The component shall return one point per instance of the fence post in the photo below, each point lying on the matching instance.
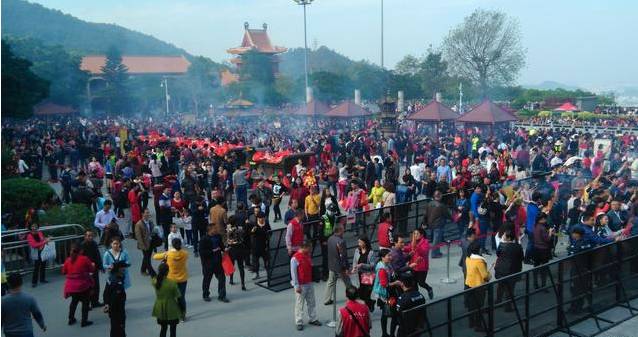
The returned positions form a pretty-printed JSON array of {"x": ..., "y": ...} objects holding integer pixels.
[
  {"x": 447, "y": 279},
  {"x": 490, "y": 308},
  {"x": 527, "y": 275},
  {"x": 561, "y": 320}
]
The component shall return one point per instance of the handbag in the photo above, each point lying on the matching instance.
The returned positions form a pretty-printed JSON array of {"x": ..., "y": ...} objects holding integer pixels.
[
  {"x": 367, "y": 279},
  {"x": 227, "y": 264},
  {"x": 48, "y": 252}
]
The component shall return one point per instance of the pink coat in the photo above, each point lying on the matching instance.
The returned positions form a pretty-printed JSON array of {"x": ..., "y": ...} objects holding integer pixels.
[
  {"x": 79, "y": 278},
  {"x": 421, "y": 255}
]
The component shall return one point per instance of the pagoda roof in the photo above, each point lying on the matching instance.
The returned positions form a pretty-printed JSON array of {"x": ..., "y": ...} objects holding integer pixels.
[
  {"x": 487, "y": 113},
  {"x": 256, "y": 40},
  {"x": 228, "y": 78},
  {"x": 434, "y": 111},
  {"x": 348, "y": 109},
  {"x": 312, "y": 108},
  {"x": 139, "y": 64}
]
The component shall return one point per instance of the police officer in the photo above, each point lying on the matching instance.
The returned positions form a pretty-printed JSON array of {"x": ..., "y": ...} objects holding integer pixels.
[{"x": 410, "y": 307}]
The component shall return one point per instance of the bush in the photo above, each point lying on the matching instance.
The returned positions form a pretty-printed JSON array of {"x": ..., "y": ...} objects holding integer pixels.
[
  {"x": 20, "y": 194},
  {"x": 69, "y": 214},
  {"x": 545, "y": 114},
  {"x": 525, "y": 113}
]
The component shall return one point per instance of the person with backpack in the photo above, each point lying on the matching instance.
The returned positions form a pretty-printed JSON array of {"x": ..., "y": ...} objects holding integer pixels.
[{"x": 353, "y": 319}]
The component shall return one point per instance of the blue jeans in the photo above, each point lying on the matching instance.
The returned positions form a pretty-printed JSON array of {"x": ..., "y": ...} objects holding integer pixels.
[
  {"x": 182, "y": 300},
  {"x": 240, "y": 194},
  {"x": 484, "y": 226},
  {"x": 437, "y": 237}
]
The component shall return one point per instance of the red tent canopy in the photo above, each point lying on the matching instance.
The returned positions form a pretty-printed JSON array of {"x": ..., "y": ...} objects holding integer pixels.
[
  {"x": 313, "y": 108},
  {"x": 568, "y": 106},
  {"x": 487, "y": 113},
  {"x": 433, "y": 112},
  {"x": 348, "y": 109}
]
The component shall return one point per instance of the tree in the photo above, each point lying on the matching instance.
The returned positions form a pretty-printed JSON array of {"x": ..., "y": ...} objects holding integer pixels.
[
  {"x": 21, "y": 88},
  {"x": 409, "y": 65},
  {"x": 433, "y": 73},
  {"x": 115, "y": 73},
  {"x": 330, "y": 87},
  {"x": 200, "y": 83},
  {"x": 485, "y": 48},
  {"x": 56, "y": 65}
]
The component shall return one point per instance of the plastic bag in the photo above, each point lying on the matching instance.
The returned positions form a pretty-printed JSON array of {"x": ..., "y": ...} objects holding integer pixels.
[
  {"x": 228, "y": 265},
  {"x": 48, "y": 252}
]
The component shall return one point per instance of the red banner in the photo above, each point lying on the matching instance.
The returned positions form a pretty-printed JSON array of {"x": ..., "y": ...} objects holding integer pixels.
[{"x": 270, "y": 158}]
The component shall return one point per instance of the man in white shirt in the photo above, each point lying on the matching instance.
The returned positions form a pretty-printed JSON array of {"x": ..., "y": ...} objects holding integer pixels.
[
  {"x": 23, "y": 168},
  {"x": 104, "y": 217},
  {"x": 417, "y": 172}
]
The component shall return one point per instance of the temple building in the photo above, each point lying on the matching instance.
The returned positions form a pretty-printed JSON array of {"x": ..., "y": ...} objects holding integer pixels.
[{"x": 256, "y": 40}]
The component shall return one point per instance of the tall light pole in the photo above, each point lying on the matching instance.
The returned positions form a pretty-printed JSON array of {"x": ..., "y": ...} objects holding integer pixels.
[
  {"x": 460, "y": 98},
  {"x": 305, "y": 3},
  {"x": 164, "y": 84},
  {"x": 382, "y": 35}
]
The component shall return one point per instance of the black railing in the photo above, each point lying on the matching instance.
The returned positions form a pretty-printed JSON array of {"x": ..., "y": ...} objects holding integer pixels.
[{"x": 577, "y": 288}]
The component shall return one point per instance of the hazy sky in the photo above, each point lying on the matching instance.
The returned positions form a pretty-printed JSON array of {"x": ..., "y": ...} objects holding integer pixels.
[{"x": 591, "y": 43}]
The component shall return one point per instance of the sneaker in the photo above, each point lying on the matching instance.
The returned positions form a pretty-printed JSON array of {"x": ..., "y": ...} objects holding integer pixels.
[
  {"x": 328, "y": 302},
  {"x": 299, "y": 327},
  {"x": 315, "y": 322},
  {"x": 86, "y": 323},
  {"x": 243, "y": 288},
  {"x": 207, "y": 299},
  {"x": 224, "y": 299}
]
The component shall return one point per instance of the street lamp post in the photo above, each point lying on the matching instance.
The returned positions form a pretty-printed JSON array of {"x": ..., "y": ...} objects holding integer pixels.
[
  {"x": 382, "y": 34},
  {"x": 305, "y": 3},
  {"x": 164, "y": 84}
]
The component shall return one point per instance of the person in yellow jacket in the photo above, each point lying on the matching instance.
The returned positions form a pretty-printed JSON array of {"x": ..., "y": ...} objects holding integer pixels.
[
  {"x": 177, "y": 260},
  {"x": 376, "y": 194},
  {"x": 477, "y": 274}
]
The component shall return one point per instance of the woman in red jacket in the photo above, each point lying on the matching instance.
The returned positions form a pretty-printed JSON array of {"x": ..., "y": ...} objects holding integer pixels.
[
  {"x": 78, "y": 285},
  {"x": 419, "y": 251},
  {"x": 37, "y": 241}
]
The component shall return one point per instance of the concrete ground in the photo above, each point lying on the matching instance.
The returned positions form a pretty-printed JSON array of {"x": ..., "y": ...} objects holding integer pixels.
[{"x": 255, "y": 312}]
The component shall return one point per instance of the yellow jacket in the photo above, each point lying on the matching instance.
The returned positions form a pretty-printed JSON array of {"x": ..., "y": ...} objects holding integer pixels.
[
  {"x": 376, "y": 195},
  {"x": 177, "y": 261},
  {"x": 477, "y": 273}
]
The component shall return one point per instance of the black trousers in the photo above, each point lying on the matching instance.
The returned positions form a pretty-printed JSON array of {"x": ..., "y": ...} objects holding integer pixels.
[
  {"x": 475, "y": 301},
  {"x": 146, "y": 262},
  {"x": 38, "y": 270},
  {"x": 164, "y": 325},
  {"x": 115, "y": 298},
  {"x": 263, "y": 254},
  {"x": 95, "y": 295},
  {"x": 75, "y": 299},
  {"x": 421, "y": 276},
  {"x": 238, "y": 254},
  {"x": 218, "y": 272}
]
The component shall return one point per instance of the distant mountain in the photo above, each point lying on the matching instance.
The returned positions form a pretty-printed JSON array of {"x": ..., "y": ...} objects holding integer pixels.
[
  {"x": 320, "y": 59},
  {"x": 24, "y": 19},
  {"x": 551, "y": 85}
]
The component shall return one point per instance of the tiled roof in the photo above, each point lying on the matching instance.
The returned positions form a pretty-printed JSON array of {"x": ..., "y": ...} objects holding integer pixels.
[
  {"x": 227, "y": 77},
  {"x": 257, "y": 39},
  {"x": 435, "y": 112},
  {"x": 139, "y": 64},
  {"x": 487, "y": 113},
  {"x": 313, "y": 108},
  {"x": 347, "y": 109}
]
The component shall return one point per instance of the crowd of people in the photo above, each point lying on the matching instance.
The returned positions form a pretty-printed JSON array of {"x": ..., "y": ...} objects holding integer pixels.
[{"x": 495, "y": 191}]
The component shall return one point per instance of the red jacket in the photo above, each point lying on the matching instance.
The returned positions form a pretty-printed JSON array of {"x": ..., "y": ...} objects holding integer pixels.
[
  {"x": 349, "y": 327},
  {"x": 297, "y": 233},
  {"x": 78, "y": 273},
  {"x": 304, "y": 269},
  {"x": 420, "y": 255},
  {"x": 384, "y": 235},
  {"x": 36, "y": 244}
]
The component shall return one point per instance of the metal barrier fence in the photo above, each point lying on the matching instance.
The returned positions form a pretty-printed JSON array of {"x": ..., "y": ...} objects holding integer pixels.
[
  {"x": 580, "y": 128},
  {"x": 581, "y": 287},
  {"x": 406, "y": 217},
  {"x": 16, "y": 255}
]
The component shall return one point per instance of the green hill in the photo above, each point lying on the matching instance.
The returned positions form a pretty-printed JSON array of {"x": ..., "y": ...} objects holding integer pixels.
[{"x": 24, "y": 19}]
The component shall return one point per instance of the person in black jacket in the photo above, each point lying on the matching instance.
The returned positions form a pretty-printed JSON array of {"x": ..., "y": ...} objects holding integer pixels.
[
  {"x": 199, "y": 211},
  {"x": 211, "y": 248},
  {"x": 260, "y": 234},
  {"x": 509, "y": 261},
  {"x": 410, "y": 307},
  {"x": 89, "y": 249}
]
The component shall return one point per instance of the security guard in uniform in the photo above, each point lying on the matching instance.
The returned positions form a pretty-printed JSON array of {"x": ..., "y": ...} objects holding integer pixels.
[{"x": 410, "y": 307}]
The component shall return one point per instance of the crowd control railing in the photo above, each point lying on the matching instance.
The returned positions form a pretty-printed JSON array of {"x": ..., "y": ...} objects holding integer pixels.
[
  {"x": 16, "y": 253},
  {"x": 577, "y": 288}
]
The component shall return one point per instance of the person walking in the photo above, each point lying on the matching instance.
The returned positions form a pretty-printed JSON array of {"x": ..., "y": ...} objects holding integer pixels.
[
  {"x": 104, "y": 217},
  {"x": 353, "y": 319},
  {"x": 543, "y": 236},
  {"x": 78, "y": 284},
  {"x": 509, "y": 261},
  {"x": 301, "y": 272},
  {"x": 337, "y": 264},
  {"x": 167, "y": 308},
  {"x": 363, "y": 263},
  {"x": 260, "y": 236},
  {"x": 165, "y": 214},
  {"x": 385, "y": 232},
  {"x": 241, "y": 185},
  {"x": 237, "y": 248},
  {"x": 177, "y": 260},
  {"x": 37, "y": 241},
  {"x": 143, "y": 230},
  {"x": 419, "y": 249},
  {"x": 436, "y": 216},
  {"x": 477, "y": 275},
  {"x": 90, "y": 249},
  {"x": 218, "y": 217},
  {"x": 18, "y": 308},
  {"x": 211, "y": 249},
  {"x": 116, "y": 263}
]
